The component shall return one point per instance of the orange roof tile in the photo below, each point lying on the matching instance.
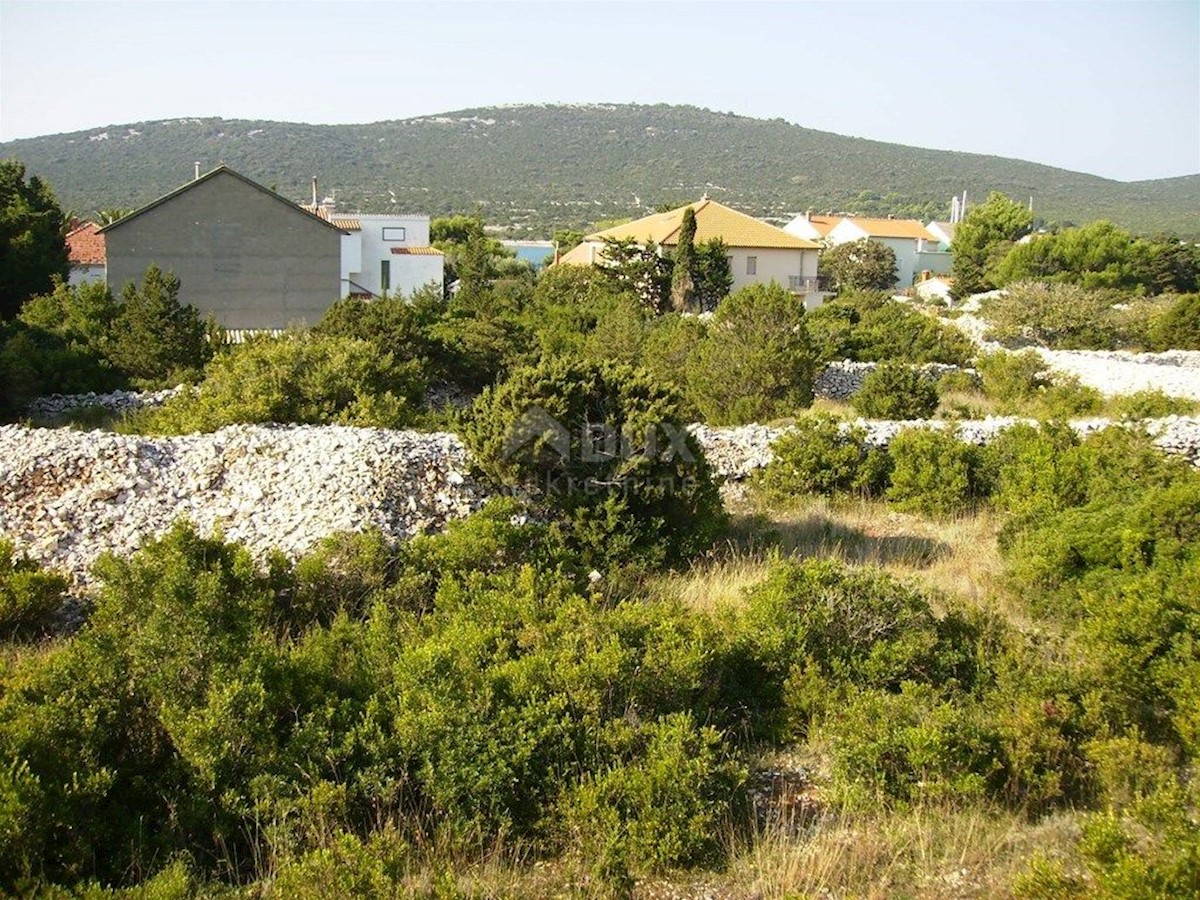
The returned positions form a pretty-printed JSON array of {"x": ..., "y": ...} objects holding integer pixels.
[
  {"x": 417, "y": 251},
  {"x": 893, "y": 228},
  {"x": 85, "y": 247},
  {"x": 713, "y": 220}
]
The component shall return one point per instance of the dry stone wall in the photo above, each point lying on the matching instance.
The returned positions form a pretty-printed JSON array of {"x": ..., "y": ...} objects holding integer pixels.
[{"x": 67, "y": 496}]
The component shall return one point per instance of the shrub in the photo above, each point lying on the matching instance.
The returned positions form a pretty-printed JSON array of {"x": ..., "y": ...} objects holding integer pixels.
[
  {"x": 1063, "y": 316},
  {"x": 1011, "y": 377},
  {"x": 158, "y": 340},
  {"x": 1179, "y": 326},
  {"x": 933, "y": 472},
  {"x": 665, "y": 805},
  {"x": 894, "y": 390},
  {"x": 756, "y": 363},
  {"x": 1029, "y": 469},
  {"x": 1152, "y": 404},
  {"x": 893, "y": 331},
  {"x": 1066, "y": 398},
  {"x": 299, "y": 378},
  {"x": 28, "y": 594},
  {"x": 605, "y": 450},
  {"x": 822, "y": 455}
]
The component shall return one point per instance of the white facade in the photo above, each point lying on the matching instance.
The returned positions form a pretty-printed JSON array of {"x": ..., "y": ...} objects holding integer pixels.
[
  {"x": 795, "y": 270},
  {"x": 84, "y": 274},
  {"x": 388, "y": 255},
  {"x": 913, "y": 254}
]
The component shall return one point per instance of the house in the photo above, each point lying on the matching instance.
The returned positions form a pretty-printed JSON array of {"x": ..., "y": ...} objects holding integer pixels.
[
  {"x": 935, "y": 288},
  {"x": 916, "y": 249},
  {"x": 256, "y": 261},
  {"x": 758, "y": 253},
  {"x": 85, "y": 250},
  {"x": 943, "y": 231},
  {"x": 383, "y": 254},
  {"x": 244, "y": 254},
  {"x": 812, "y": 227}
]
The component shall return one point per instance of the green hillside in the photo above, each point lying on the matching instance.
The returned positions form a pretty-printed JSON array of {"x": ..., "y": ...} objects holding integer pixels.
[{"x": 539, "y": 167}]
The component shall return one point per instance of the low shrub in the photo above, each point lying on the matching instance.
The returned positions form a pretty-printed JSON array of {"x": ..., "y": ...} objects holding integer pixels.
[
  {"x": 756, "y": 363},
  {"x": 1012, "y": 378},
  {"x": 1152, "y": 404},
  {"x": 666, "y": 804},
  {"x": 896, "y": 391},
  {"x": 1179, "y": 327},
  {"x": 823, "y": 455},
  {"x": 29, "y": 595},
  {"x": 1062, "y": 316},
  {"x": 301, "y": 378},
  {"x": 604, "y": 450},
  {"x": 933, "y": 472}
]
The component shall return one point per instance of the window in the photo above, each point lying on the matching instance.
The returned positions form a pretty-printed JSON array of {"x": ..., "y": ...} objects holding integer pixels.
[
  {"x": 385, "y": 275},
  {"x": 751, "y": 265},
  {"x": 393, "y": 234}
]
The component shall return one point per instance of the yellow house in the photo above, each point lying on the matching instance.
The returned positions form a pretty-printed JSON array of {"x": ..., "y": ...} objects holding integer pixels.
[{"x": 758, "y": 253}]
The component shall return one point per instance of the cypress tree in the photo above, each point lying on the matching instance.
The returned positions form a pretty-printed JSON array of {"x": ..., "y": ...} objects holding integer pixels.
[{"x": 683, "y": 278}]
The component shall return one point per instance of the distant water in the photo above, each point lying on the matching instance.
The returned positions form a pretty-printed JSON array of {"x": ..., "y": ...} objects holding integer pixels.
[{"x": 539, "y": 253}]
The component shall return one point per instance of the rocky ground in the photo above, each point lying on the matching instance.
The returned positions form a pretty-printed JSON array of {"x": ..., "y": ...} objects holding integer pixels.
[{"x": 69, "y": 496}]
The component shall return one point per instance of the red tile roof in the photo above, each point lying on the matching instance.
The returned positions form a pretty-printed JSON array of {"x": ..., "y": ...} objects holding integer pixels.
[
  {"x": 85, "y": 247},
  {"x": 417, "y": 251}
]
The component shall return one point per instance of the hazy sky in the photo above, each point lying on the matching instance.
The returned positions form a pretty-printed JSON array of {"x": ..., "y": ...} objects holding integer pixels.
[{"x": 1110, "y": 88}]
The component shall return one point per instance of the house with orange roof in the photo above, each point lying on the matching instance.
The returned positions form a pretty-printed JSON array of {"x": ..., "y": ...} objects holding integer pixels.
[
  {"x": 85, "y": 250},
  {"x": 759, "y": 253},
  {"x": 812, "y": 227},
  {"x": 917, "y": 249}
]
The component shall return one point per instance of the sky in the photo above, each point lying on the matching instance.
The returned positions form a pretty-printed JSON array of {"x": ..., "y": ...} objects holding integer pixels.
[{"x": 1110, "y": 88}]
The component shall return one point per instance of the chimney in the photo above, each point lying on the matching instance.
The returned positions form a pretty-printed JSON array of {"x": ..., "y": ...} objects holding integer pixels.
[
  {"x": 808, "y": 214},
  {"x": 314, "y": 185},
  {"x": 197, "y": 165}
]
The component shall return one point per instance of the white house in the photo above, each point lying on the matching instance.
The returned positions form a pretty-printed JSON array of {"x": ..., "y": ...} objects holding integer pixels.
[
  {"x": 916, "y": 249},
  {"x": 383, "y": 254},
  {"x": 812, "y": 227},
  {"x": 944, "y": 232},
  {"x": 85, "y": 250},
  {"x": 758, "y": 253}
]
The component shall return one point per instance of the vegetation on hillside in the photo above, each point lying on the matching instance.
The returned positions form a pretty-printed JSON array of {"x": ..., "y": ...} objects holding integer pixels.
[{"x": 538, "y": 168}]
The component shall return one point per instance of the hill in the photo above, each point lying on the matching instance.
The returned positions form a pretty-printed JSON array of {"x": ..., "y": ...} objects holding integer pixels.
[{"x": 538, "y": 167}]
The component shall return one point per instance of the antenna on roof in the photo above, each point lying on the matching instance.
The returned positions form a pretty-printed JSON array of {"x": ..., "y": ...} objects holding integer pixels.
[{"x": 197, "y": 164}]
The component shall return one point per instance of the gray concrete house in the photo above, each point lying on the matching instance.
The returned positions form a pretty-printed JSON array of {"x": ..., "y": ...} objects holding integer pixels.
[{"x": 242, "y": 252}]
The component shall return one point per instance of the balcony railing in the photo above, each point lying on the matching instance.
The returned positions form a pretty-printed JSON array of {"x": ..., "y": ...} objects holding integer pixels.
[{"x": 803, "y": 284}]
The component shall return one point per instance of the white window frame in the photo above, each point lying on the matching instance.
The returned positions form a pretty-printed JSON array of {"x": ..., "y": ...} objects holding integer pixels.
[{"x": 388, "y": 233}]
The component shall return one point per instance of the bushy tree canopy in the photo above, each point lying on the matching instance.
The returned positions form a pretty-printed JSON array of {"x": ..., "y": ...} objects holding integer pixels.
[
  {"x": 983, "y": 238},
  {"x": 32, "y": 249},
  {"x": 864, "y": 265}
]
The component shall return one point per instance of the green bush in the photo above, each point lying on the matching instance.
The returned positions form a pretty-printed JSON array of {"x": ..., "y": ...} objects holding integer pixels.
[
  {"x": 157, "y": 340},
  {"x": 1153, "y": 404},
  {"x": 1011, "y": 378},
  {"x": 666, "y": 804},
  {"x": 756, "y": 363},
  {"x": 300, "y": 378},
  {"x": 894, "y": 390},
  {"x": 1179, "y": 327},
  {"x": 823, "y": 455},
  {"x": 28, "y": 594},
  {"x": 933, "y": 473},
  {"x": 1030, "y": 469},
  {"x": 873, "y": 328},
  {"x": 1062, "y": 316},
  {"x": 603, "y": 449}
]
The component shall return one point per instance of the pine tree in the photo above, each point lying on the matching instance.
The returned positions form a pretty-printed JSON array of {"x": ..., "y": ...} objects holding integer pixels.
[
  {"x": 32, "y": 249},
  {"x": 158, "y": 338}
]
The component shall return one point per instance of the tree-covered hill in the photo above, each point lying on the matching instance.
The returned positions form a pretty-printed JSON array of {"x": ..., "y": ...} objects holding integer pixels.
[{"x": 538, "y": 167}]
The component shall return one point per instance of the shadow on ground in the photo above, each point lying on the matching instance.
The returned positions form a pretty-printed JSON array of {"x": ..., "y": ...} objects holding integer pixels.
[{"x": 819, "y": 535}]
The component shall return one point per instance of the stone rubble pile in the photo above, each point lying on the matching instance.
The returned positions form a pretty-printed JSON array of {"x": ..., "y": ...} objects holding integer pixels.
[
  {"x": 68, "y": 496},
  {"x": 53, "y": 406},
  {"x": 737, "y": 452},
  {"x": 842, "y": 380}
]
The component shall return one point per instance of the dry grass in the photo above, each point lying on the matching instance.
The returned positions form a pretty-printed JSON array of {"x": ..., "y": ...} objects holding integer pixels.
[
  {"x": 956, "y": 558},
  {"x": 924, "y": 852}
]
